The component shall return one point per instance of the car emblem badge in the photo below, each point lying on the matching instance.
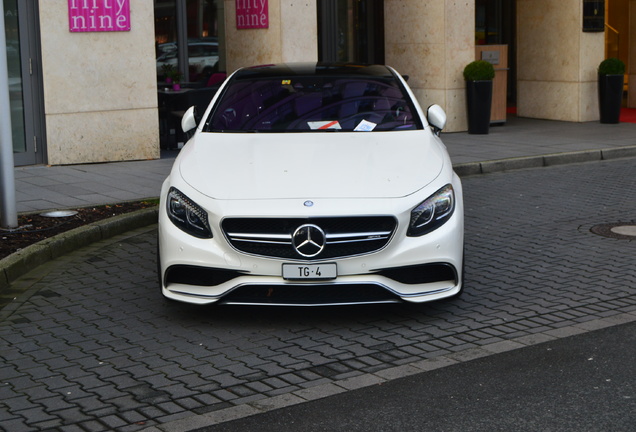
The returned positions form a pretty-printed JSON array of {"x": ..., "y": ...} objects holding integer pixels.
[
  {"x": 309, "y": 240},
  {"x": 308, "y": 203}
]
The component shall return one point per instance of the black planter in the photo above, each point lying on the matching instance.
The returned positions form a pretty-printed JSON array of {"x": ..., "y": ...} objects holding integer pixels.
[
  {"x": 610, "y": 97},
  {"x": 478, "y": 104}
]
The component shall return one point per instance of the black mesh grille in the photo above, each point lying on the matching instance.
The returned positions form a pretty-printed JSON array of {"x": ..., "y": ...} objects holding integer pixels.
[
  {"x": 310, "y": 294},
  {"x": 346, "y": 236},
  {"x": 202, "y": 276},
  {"x": 421, "y": 274}
]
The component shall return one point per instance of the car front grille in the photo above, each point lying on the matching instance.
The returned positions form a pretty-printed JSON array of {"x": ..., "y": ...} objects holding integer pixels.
[{"x": 343, "y": 236}]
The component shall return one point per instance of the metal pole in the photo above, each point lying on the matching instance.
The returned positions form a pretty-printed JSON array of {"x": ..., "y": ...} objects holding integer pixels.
[{"x": 8, "y": 212}]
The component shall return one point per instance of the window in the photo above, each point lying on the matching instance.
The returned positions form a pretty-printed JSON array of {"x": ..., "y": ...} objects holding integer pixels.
[
  {"x": 304, "y": 103},
  {"x": 189, "y": 32}
]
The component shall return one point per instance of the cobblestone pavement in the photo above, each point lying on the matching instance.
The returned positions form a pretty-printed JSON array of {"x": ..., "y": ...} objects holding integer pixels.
[{"x": 91, "y": 345}]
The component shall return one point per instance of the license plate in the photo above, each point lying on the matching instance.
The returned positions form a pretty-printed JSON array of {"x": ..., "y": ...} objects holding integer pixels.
[{"x": 310, "y": 271}]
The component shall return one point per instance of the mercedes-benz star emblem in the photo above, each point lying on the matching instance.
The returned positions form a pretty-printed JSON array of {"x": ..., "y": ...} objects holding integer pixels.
[{"x": 309, "y": 240}]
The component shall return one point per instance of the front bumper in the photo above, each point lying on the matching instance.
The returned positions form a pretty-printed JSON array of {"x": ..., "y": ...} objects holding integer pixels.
[{"x": 411, "y": 269}]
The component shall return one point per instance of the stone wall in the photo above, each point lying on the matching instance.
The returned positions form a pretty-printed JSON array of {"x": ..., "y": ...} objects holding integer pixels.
[
  {"x": 292, "y": 35},
  {"x": 100, "y": 90},
  {"x": 432, "y": 42},
  {"x": 556, "y": 61}
]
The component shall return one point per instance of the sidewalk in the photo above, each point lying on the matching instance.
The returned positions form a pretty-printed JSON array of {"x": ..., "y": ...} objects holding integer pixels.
[{"x": 520, "y": 143}]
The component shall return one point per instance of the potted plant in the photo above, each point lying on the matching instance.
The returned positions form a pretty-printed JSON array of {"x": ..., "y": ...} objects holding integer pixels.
[
  {"x": 611, "y": 73},
  {"x": 175, "y": 76},
  {"x": 478, "y": 76},
  {"x": 167, "y": 70}
]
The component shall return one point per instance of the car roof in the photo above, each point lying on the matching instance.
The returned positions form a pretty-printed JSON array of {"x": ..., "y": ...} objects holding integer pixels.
[{"x": 319, "y": 69}]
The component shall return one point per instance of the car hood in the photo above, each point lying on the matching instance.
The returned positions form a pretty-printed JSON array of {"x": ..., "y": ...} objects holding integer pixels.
[{"x": 311, "y": 165}]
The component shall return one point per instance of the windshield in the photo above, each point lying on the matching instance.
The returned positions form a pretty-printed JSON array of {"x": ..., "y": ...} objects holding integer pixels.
[{"x": 313, "y": 104}]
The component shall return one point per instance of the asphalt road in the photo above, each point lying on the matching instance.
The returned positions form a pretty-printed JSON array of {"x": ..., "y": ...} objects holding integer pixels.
[
  {"x": 580, "y": 383},
  {"x": 91, "y": 345}
]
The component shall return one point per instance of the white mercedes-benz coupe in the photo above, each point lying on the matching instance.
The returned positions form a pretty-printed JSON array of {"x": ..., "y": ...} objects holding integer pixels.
[{"x": 312, "y": 184}]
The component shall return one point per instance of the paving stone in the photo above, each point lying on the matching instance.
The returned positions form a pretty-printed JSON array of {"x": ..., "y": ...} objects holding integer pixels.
[
  {"x": 207, "y": 399},
  {"x": 224, "y": 395},
  {"x": 296, "y": 379},
  {"x": 126, "y": 403},
  {"x": 188, "y": 403},
  {"x": 16, "y": 424},
  {"x": 132, "y": 416},
  {"x": 93, "y": 426},
  {"x": 35, "y": 415},
  {"x": 191, "y": 380}
]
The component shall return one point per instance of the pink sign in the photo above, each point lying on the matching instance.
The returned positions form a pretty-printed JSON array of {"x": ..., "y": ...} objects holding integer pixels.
[
  {"x": 252, "y": 14},
  {"x": 98, "y": 15}
]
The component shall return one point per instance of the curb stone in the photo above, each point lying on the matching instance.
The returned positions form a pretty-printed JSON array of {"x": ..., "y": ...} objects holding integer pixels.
[
  {"x": 547, "y": 160},
  {"x": 25, "y": 260}
]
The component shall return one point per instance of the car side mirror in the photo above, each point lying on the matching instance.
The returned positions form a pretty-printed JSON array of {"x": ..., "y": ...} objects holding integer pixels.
[
  {"x": 436, "y": 118},
  {"x": 188, "y": 122}
]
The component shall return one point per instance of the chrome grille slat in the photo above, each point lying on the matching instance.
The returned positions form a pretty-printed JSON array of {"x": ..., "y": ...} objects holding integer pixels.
[
  {"x": 344, "y": 236},
  {"x": 355, "y": 241},
  {"x": 259, "y": 236},
  {"x": 359, "y": 235},
  {"x": 246, "y": 240}
]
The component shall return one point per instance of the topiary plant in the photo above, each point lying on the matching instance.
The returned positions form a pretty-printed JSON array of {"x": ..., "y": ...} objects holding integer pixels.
[
  {"x": 479, "y": 70},
  {"x": 611, "y": 66}
]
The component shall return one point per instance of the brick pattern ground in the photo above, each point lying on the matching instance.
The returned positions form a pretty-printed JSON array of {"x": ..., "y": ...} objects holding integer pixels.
[{"x": 92, "y": 346}]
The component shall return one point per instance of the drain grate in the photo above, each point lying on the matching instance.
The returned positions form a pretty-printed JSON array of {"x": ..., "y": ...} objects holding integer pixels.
[{"x": 618, "y": 230}]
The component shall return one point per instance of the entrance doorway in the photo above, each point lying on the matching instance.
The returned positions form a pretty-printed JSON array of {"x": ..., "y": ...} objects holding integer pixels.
[
  {"x": 495, "y": 24},
  {"x": 25, "y": 82},
  {"x": 351, "y": 31},
  {"x": 617, "y": 35},
  {"x": 617, "y": 29}
]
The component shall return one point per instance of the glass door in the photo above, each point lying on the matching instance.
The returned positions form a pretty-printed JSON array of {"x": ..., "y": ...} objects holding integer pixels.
[
  {"x": 25, "y": 89},
  {"x": 351, "y": 31},
  {"x": 495, "y": 24},
  {"x": 190, "y": 48}
]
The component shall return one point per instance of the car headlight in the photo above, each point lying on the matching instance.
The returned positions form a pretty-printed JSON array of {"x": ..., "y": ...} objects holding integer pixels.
[
  {"x": 432, "y": 213},
  {"x": 187, "y": 215}
]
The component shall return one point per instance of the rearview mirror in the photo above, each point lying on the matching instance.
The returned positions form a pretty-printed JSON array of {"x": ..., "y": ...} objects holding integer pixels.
[
  {"x": 188, "y": 122},
  {"x": 436, "y": 118}
]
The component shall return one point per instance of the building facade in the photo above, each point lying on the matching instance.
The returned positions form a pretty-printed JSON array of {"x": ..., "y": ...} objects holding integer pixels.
[{"x": 86, "y": 77}]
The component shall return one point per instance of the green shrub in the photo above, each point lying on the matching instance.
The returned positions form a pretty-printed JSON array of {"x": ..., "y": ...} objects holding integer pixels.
[
  {"x": 611, "y": 66},
  {"x": 479, "y": 70}
]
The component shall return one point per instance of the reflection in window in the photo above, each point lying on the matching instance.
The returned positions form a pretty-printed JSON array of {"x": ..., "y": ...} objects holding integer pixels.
[{"x": 203, "y": 24}]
